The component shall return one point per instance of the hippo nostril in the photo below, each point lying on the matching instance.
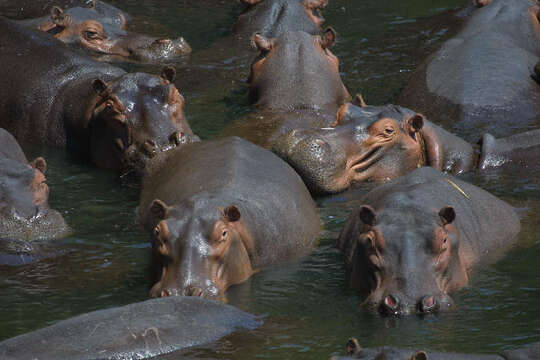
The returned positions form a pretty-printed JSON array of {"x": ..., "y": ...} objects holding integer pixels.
[
  {"x": 149, "y": 147},
  {"x": 164, "y": 293},
  {"x": 428, "y": 304},
  {"x": 391, "y": 302},
  {"x": 194, "y": 291},
  {"x": 177, "y": 138}
]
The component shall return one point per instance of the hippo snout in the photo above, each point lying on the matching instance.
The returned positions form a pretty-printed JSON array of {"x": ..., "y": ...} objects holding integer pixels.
[{"x": 397, "y": 304}]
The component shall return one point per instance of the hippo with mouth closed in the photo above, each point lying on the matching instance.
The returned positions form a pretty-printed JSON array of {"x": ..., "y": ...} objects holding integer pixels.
[
  {"x": 217, "y": 216},
  {"x": 380, "y": 143},
  {"x": 272, "y": 18},
  {"x": 51, "y": 95},
  {"x": 24, "y": 211},
  {"x": 103, "y": 35},
  {"x": 355, "y": 351},
  {"x": 480, "y": 80},
  {"x": 294, "y": 83},
  {"x": 415, "y": 240}
]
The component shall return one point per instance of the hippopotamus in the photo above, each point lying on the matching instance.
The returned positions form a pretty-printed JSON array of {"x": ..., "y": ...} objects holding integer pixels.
[
  {"x": 102, "y": 33},
  {"x": 54, "y": 96},
  {"x": 355, "y": 351},
  {"x": 135, "y": 331},
  {"x": 272, "y": 18},
  {"x": 416, "y": 239},
  {"x": 479, "y": 81},
  {"x": 380, "y": 143},
  {"x": 26, "y": 9},
  {"x": 294, "y": 83},
  {"x": 243, "y": 216},
  {"x": 24, "y": 210}
]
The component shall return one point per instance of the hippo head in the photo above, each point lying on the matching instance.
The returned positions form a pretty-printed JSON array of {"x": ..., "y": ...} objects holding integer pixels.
[
  {"x": 405, "y": 258},
  {"x": 136, "y": 114},
  {"x": 355, "y": 351},
  {"x": 201, "y": 249},
  {"x": 368, "y": 143},
  {"x": 296, "y": 70},
  {"x": 274, "y": 17},
  {"x": 24, "y": 209},
  {"x": 105, "y": 36}
]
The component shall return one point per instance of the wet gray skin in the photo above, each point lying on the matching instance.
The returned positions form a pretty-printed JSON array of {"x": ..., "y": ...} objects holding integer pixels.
[
  {"x": 416, "y": 239},
  {"x": 104, "y": 36},
  {"x": 24, "y": 210},
  {"x": 274, "y": 17},
  {"x": 480, "y": 80}
]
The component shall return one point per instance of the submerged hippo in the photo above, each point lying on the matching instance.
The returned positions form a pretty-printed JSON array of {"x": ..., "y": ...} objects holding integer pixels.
[
  {"x": 136, "y": 331},
  {"x": 294, "y": 83},
  {"x": 479, "y": 81},
  {"x": 24, "y": 210},
  {"x": 417, "y": 238},
  {"x": 355, "y": 351},
  {"x": 103, "y": 35},
  {"x": 272, "y": 18},
  {"x": 380, "y": 143},
  {"x": 51, "y": 95},
  {"x": 221, "y": 210}
]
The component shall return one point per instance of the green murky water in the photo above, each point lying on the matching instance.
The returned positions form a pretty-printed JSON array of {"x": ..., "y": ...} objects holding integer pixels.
[{"x": 310, "y": 311}]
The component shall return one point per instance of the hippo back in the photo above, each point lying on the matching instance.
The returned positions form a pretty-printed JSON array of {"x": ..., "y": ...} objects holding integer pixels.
[
  {"x": 277, "y": 204},
  {"x": 10, "y": 149}
]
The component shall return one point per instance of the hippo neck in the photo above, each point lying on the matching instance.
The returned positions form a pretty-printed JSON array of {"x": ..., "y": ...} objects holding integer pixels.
[{"x": 445, "y": 151}]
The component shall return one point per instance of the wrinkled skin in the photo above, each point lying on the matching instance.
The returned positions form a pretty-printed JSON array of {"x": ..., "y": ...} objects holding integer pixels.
[
  {"x": 272, "y": 18},
  {"x": 136, "y": 331},
  {"x": 294, "y": 83},
  {"x": 416, "y": 239},
  {"x": 104, "y": 36},
  {"x": 24, "y": 211},
  {"x": 380, "y": 143},
  {"x": 245, "y": 218},
  {"x": 98, "y": 110},
  {"x": 480, "y": 80},
  {"x": 355, "y": 351}
]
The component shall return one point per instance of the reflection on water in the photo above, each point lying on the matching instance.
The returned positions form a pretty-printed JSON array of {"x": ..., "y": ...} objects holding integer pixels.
[{"x": 309, "y": 309}]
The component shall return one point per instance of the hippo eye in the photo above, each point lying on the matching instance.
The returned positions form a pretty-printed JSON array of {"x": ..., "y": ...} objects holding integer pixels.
[
  {"x": 224, "y": 233},
  {"x": 92, "y": 35},
  {"x": 389, "y": 131}
]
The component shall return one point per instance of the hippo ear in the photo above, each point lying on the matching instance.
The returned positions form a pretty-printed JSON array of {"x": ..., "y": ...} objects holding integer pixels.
[
  {"x": 250, "y": 2},
  {"x": 261, "y": 43},
  {"x": 40, "y": 164},
  {"x": 168, "y": 73},
  {"x": 92, "y": 4},
  {"x": 159, "y": 209},
  {"x": 58, "y": 16},
  {"x": 482, "y": 3},
  {"x": 359, "y": 101},
  {"x": 353, "y": 347},
  {"x": 314, "y": 4},
  {"x": 100, "y": 87},
  {"x": 416, "y": 122},
  {"x": 367, "y": 215},
  {"x": 232, "y": 213},
  {"x": 328, "y": 38},
  {"x": 420, "y": 355},
  {"x": 447, "y": 214}
]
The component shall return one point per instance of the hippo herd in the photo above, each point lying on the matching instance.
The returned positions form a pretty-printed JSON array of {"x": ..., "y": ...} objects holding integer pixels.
[{"x": 218, "y": 211}]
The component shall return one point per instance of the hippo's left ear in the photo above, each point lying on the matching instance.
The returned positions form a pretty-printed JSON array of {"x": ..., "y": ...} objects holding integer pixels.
[
  {"x": 40, "y": 164},
  {"x": 92, "y": 4},
  {"x": 328, "y": 38},
  {"x": 314, "y": 4},
  {"x": 101, "y": 87},
  {"x": 415, "y": 123},
  {"x": 262, "y": 43},
  {"x": 420, "y": 355},
  {"x": 168, "y": 73},
  {"x": 367, "y": 215},
  {"x": 159, "y": 209},
  {"x": 447, "y": 214},
  {"x": 353, "y": 346},
  {"x": 58, "y": 16},
  {"x": 232, "y": 213}
]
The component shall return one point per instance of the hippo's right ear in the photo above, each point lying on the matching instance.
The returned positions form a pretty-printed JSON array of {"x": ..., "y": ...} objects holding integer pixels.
[
  {"x": 232, "y": 213},
  {"x": 58, "y": 16},
  {"x": 367, "y": 215},
  {"x": 168, "y": 73},
  {"x": 353, "y": 346},
  {"x": 92, "y": 4},
  {"x": 447, "y": 214},
  {"x": 100, "y": 87},
  {"x": 328, "y": 38},
  {"x": 40, "y": 164},
  {"x": 159, "y": 209},
  {"x": 359, "y": 101},
  {"x": 261, "y": 43}
]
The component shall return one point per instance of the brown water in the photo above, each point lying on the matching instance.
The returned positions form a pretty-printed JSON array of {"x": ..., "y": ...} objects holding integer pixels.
[{"x": 309, "y": 309}]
